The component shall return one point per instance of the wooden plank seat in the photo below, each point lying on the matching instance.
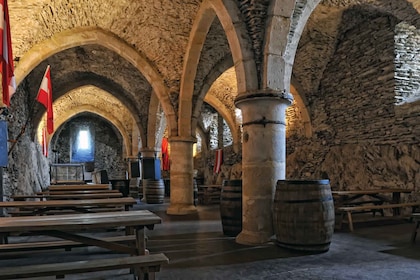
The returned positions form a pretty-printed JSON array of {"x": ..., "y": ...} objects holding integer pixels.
[
  {"x": 349, "y": 210},
  {"x": 79, "y": 187},
  {"x": 54, "y": 195},
  {"x": 76, "y": 192},
  {"x": 40, "y": 207},
  {"x": 58, "y": 244},
  {"x": 32, "y": 212},
  {"x": 145, "y": 264}
]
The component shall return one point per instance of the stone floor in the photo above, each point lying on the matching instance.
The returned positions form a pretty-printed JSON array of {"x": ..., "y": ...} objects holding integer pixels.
[{"x": 197, "y": 249}]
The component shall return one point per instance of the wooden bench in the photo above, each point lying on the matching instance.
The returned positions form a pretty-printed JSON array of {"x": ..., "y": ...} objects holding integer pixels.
[
  {"x": 146, "y": 264},
  {"x": 57, "y": 244},
  {"x": 371, "y": 208}
]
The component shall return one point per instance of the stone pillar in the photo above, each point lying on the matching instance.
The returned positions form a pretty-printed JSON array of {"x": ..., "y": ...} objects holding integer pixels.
[
  {"x": 181, "y": 176},
  {"x": 263, "y": 160}
]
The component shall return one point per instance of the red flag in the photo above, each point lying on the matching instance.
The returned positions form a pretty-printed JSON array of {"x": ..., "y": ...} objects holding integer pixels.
[
  {"x": 165, "y": 154},
  {"x": 7, "y": 69},
  {"x": 218, "y": 161},
  {"x": 45, "y": 98},
  {"x": 44, "y": 142}
]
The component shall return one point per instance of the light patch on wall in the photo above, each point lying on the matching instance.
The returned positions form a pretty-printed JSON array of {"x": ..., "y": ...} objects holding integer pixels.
[
  {"x": 83, "y": 149},
  {"x": 83, "y": 140}
]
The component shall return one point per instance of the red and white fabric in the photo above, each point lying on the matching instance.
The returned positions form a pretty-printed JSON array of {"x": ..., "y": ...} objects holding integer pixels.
[
  {"x": 7, "y": 67},
  {"x": 218, "y": 161},
  {"x": 165, "y": 154},
  {"x": 45, "y": 98}
]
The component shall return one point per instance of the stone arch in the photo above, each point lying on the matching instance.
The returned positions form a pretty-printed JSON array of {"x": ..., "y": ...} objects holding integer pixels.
[
  {"x": 156, "y": 124},
  {"x": 93, "y": 35},
  {"x": 300, "y": 102},
  {"x": 68, "y": 114},
  {"x": 284, "y": 28},
  {"x": 204, "y": 139},
  {"x": 227, "y": 116},
  {"x": 216, "y": 72},
  {"x": 236, "y": 33}
]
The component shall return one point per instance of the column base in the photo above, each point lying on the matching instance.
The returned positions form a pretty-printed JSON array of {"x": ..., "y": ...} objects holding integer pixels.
[
  {"x": 181, "y": 209},
  {"x": 253, "y": 238}
]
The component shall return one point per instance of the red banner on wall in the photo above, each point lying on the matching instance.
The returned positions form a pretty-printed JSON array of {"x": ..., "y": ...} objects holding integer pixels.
[
  {"x": 218, "y": 161},
  {"x": 165, "y": 154}
]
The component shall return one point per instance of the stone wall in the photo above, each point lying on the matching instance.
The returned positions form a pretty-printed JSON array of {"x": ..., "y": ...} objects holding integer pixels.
[
  {"x": 218, "y": 132},
  {"x": 407, "y": 63},
  {"x": 27, "y": 169},
  {"x": 108, "y": 145},
  {"x": 361, "y": 138}
]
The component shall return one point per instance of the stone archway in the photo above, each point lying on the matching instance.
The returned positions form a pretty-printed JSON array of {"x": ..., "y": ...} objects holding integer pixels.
[{"x": 88, "y": 35}]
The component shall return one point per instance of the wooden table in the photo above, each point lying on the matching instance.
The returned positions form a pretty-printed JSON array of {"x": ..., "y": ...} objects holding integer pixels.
[
  {"x": 56, "y": 195},
  {"x": 79, "y": 187},
  {"x": 370, "y": 201},
  {"x": 343, "y": 198},
  {"x": 67, "y": 226},
  {"x": 79, "y": 205}
]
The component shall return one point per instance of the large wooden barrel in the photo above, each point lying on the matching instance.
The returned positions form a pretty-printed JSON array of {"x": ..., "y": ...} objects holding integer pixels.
[
  {"x": 154, "y": 191},
  {"x": 303, "y": 214},
  {"x": 231, "y": 207}
]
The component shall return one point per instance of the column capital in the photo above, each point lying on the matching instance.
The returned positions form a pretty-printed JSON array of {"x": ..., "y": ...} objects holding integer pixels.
[
  {"x": 187, "y": 139},
  {"x": 281, "y": 95},
  {"x": 148, "y": 152}
]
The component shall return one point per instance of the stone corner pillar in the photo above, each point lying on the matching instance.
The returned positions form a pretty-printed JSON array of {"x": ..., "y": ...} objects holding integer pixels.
[
  {"x": 181, "y": 176},
  {"x": 263, "y": 160}
]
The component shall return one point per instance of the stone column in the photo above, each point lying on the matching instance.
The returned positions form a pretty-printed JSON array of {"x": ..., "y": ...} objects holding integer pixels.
[
  {"x": 181, "y": 176},
  {"x": 263, "y": 160}
]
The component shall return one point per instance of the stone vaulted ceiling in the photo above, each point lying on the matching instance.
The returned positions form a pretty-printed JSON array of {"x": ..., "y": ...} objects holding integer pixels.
[{"x": 158, "y": 31}]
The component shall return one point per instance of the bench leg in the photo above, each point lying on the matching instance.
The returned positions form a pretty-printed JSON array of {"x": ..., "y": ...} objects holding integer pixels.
[
  {"x": 338, "y": 218},
  {"x": 350, "y": 219},
  {"x": 414, "y": 234},
  {"x": 139, "y": 275},
  {"x": 4, "y": 238}
]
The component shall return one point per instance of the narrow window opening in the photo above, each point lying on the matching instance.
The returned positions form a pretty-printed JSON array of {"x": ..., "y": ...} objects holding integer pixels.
[{"x": 82, "y": 146}]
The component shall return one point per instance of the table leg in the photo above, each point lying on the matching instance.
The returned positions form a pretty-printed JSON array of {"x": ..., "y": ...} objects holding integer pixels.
[
  {"x": 140, "y": 241},
  {"x": 396, "y": 198},
  {"x": 141, "y": 250},
  {"x": 414, "y": 233}
]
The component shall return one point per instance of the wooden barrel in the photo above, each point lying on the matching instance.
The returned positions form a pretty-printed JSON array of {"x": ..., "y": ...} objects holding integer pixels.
[
  {"x": 154, "y": 191},
  {"x": 231, "y": 207},
  {"x": 122, "y": 185},
  {"x": 195, "y": 192},
  {"x": 141, "y": 189},
  {"x": 303, "y": 215}
]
